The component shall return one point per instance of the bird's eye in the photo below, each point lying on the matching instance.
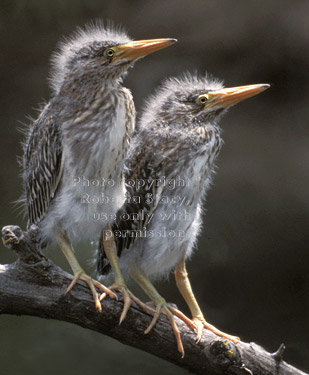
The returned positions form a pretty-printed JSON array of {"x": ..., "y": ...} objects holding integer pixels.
[
  {"x": 202, "y": 99},
  {"x": 110, "y": 52}
]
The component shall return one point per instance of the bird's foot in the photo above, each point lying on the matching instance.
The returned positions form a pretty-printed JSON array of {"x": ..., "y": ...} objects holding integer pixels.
[
  {"x": 169, "y": 311},
  {"x": 128, "y": 297},
  {"x": 93, "y": 284},
  {"x": 201, "y": 323}
]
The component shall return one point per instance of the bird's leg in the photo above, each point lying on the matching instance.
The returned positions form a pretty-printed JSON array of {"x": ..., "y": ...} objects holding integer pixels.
[
  {"x": 110, "y": 249},
  {"x": 161, "y": 306},
  {"x": 79, "y": 274},
  {"x": 184, "y": 286}
]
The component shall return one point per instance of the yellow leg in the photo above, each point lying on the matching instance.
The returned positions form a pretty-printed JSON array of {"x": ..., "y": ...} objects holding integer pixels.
[
  {"x": 184, "y": 286},
  {"x": 79, "y": 274},
  {"x": 161, "y": 306},
  {"x": 110, "y": 249}
]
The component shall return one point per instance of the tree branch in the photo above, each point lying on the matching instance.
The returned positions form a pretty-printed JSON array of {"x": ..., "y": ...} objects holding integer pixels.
[{"x": 34, "y": 285}]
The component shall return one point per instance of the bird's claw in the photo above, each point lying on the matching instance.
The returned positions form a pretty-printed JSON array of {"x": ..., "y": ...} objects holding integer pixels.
[
  {"x": 92, "y": 284},
  {"x": 201, "y": 323},
  {"x": 128, "y": 297},
  {"x": 169, "y": 311}
]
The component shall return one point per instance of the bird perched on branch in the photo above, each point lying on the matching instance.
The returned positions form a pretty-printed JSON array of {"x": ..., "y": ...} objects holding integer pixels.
[
  {"x": 80, "y": 140},
  {"x": 169, "y": 169}
]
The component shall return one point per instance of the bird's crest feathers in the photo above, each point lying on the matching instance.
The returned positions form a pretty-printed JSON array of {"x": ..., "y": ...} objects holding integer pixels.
[
  {"x": 186, "y": 83},
  {"x": 92, "y": 32}
]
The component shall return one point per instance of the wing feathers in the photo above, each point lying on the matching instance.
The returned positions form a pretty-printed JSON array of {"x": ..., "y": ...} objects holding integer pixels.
[{"x": 42, "y": 165}]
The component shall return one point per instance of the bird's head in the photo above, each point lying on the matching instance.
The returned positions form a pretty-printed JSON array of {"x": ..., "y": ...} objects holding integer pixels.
[
  {"x": 192, "y": 100},
  {"x": 97, "y": 54}
]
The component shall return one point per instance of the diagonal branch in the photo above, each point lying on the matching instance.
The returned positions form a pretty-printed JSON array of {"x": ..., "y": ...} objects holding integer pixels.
[{"x": 34, "y": 285}]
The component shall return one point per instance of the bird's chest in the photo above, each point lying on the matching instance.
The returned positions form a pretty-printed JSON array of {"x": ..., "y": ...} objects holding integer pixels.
[
  {"x": 95, "y": 143},
  {"x": 116, "y": 142},
  {"x": 94, "y": 161},
  {"x": 178, "y": 206}
]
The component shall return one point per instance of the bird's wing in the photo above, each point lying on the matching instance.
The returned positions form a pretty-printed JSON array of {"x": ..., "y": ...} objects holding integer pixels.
[
  {"x": 135, "y": 215},
  {"x": 42, "y": 165}
]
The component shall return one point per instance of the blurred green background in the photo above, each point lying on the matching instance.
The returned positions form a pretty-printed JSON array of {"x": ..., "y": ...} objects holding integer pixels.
[{"x": 250, "y": 271}]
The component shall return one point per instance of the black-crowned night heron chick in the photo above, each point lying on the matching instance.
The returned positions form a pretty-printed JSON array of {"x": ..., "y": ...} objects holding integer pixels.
[
  {"x": 76, "y": 147},
  {"x": 169, "y": 169}
]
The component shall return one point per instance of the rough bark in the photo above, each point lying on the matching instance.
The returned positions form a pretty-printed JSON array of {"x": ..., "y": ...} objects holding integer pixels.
[{"x": 34, "y": 285}]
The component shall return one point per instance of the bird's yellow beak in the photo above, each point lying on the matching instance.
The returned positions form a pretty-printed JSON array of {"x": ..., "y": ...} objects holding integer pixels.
[
  {"x": 139, "y": 48},
  {"x": 232, "y": 95}
]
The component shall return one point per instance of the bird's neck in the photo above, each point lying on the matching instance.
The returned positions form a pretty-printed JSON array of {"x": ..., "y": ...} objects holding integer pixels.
[
  {"x": 188, "y": 129},
  {"x": 86, "y": 87}
]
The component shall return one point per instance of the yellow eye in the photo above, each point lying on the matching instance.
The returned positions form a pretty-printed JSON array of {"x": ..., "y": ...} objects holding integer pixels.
[
  {"x": 110, "y": 52},
  {"x": 202, "y": 99}
]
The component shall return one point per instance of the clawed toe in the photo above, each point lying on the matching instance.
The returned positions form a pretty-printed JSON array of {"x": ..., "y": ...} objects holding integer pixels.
[
  {"x": 128, "y": 297},
  {"x": 201, "y": 323},
  {"x": 92, "y": 284},
  {"x": 169, "y": 311}
]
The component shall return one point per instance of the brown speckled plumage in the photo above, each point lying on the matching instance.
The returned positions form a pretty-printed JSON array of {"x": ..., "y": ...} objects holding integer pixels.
[
  {"x": 178, "y": 138},
  {"x": 80, "y": 140},
  {"x": 90, "y": 115}
]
